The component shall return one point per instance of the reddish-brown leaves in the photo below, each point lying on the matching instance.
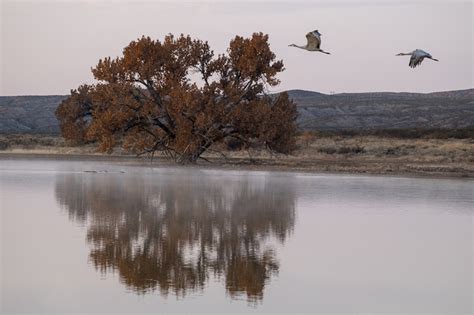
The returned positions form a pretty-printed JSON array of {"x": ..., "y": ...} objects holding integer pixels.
[{"x": 146, "y": 100}]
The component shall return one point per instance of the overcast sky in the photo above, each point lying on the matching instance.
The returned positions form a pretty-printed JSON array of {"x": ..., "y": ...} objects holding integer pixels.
[{"x": 48, "y": 47}]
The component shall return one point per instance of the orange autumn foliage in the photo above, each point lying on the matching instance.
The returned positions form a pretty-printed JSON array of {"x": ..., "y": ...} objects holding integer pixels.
[{"x": 176, "y": 96}]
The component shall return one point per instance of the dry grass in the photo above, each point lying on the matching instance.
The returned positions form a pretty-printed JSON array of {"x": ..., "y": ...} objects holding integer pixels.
[
  {"x": 371, "y": 147},
  {"x": 27, "y": 141},
  {"x": 337, "y": 153},
  {"x": 369, "y": 154}
]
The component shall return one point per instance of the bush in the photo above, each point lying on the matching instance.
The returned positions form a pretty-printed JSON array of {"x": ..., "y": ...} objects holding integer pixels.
[
  {"x": 350, "y": 149},
  {"x": 234, "y": 144},
  {"x": 327, "y": 150},
  {"x": 342, "y": 150},
  {"x": 3, "y": 145},
  {"x": 306, "y": 138}
]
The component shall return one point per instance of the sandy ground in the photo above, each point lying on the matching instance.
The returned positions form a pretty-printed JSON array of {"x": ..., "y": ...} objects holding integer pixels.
[{"x": 337, "y": 154}]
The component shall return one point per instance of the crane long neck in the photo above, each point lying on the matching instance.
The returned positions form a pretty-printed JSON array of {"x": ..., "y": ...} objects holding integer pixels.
[{"x": 297, "y": 46}]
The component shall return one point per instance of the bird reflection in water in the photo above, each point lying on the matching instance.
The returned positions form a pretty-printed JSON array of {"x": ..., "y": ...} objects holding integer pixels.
[{"x": 173, "y": 233}]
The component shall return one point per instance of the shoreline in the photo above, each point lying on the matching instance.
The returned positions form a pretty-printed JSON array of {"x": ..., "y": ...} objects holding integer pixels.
[{"x": 347, "y": 166}]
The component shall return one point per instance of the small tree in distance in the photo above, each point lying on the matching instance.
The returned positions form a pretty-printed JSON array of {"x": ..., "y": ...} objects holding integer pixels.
[{"x": 147, "y": 101}]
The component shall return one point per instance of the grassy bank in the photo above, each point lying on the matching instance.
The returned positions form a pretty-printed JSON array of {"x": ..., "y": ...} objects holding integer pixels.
[{"x": 317, "y": 152}]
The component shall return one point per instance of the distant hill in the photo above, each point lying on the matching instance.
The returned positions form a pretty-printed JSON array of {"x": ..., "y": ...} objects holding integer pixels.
[
  {"x": 317, "y": 111},
  {"x": 386, "y": 110},
  {"x": 29, "y": 114}
]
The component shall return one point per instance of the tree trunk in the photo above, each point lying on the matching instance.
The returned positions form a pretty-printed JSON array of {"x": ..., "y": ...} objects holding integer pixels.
[{"x": 188, "y": 157}]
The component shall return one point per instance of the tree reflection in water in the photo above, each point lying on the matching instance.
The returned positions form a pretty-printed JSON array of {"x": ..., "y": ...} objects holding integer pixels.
[{"x": 174, "y": 232}]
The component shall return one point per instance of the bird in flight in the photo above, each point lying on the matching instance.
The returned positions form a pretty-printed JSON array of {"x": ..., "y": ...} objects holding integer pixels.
[
  {"x": 417, "y": 57},
  {"x": 314, "y": 42}
]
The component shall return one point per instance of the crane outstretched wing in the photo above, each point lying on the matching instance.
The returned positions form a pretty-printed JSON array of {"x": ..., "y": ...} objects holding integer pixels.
[
  {"x": 416, "y": 59},
  {"x": 314, "y": 41}
]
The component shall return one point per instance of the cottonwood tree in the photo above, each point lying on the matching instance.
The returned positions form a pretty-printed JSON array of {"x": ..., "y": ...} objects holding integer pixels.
[{"x": 179, "y": 98}]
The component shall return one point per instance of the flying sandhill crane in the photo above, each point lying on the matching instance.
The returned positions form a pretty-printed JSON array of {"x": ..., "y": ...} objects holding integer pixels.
[
  {"x": 314, "y": 42},
  {"x": 417, "y": 57}
]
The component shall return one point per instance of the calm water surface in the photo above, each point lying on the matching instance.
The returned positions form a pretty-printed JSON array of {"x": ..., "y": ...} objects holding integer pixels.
[{"x": 105, "y": 237}]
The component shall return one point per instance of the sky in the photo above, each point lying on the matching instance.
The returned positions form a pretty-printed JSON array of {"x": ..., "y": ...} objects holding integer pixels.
[{"x": 49, "y": 47}]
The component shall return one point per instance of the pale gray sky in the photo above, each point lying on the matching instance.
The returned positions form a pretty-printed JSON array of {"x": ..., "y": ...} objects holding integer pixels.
[{"x": 48, "y": 47}]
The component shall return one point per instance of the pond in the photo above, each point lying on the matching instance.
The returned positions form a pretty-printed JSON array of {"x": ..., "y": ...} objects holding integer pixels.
[{"x": 113, "y": 237}]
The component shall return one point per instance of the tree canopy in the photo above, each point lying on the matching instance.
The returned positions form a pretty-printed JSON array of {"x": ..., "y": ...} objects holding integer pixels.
[{"x": 178, "y": 97}]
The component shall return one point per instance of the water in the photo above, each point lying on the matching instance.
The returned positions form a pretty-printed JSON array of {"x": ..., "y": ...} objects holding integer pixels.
[{"x": 105, "y": 237}]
